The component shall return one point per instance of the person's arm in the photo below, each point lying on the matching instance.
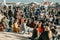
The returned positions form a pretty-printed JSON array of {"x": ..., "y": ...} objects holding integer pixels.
[
  {"x": 12, "y": 27},
  {"x": 38, "y": 34},
  {"x": 50, "y": 34}
]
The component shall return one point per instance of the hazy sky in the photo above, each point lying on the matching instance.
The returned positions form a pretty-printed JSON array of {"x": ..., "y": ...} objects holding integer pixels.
[{"x": 28, "y": 1}]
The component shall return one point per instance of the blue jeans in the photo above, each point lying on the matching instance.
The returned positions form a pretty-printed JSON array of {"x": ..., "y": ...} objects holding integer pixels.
[
  {"x": 8, "y": 29},
  {"x": 27, "y": 30}
]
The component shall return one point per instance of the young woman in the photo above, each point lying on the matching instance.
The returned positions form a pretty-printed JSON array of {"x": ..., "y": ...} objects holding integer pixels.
[
  {"x": 26, "y": 28},
  {"x": 3, "y": 26},
  {"x": 40, "y": 28},
  {"x": 15, "y": 27},
  {"x": 6, "y": 21}
]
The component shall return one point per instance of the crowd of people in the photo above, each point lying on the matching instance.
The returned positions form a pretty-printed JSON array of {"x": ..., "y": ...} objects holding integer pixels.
[{"x": 22, "y": 20}]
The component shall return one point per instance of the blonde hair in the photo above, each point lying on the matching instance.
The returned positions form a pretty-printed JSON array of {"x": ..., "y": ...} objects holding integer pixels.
[{"x": 49, "y": 32}]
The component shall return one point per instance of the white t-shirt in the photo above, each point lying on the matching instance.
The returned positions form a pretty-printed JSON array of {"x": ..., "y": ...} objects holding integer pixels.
[{"x": 25, "y": 26}]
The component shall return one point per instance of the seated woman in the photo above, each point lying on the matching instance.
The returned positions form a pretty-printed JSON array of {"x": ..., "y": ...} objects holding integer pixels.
[
  {"x": 15, "y": 27},
  {"x": 2, "y": 26},
  {"x": 5, "y": 22},
  {"x": 26, "y": 28},
  {"x": 40, "y": 29}
]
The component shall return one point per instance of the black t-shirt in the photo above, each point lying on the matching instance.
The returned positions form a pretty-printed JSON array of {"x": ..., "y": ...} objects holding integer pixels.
[
  {"x": 44, "y": 36},
  {"x": 10, "y": 13}
]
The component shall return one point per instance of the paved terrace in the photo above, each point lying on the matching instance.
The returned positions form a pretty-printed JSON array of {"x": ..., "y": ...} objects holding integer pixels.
[{"x": 12, "y": 36}]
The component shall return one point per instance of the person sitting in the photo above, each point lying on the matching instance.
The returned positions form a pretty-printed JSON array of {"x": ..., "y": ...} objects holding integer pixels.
[
  {"x": 1, "y": 27},
  {"x": 15, "y": 27},
  {"x": 4, "y": 27},
  {"x": 27, "y": 29}
]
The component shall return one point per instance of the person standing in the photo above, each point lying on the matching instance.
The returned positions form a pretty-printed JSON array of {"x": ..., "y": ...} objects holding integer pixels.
[
  {"x": 4, "y": 11},
  {"x": 10, "y": 15}
]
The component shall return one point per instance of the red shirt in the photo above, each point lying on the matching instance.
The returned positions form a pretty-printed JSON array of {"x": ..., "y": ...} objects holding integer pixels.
[{"x": 40, "y": 30}]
